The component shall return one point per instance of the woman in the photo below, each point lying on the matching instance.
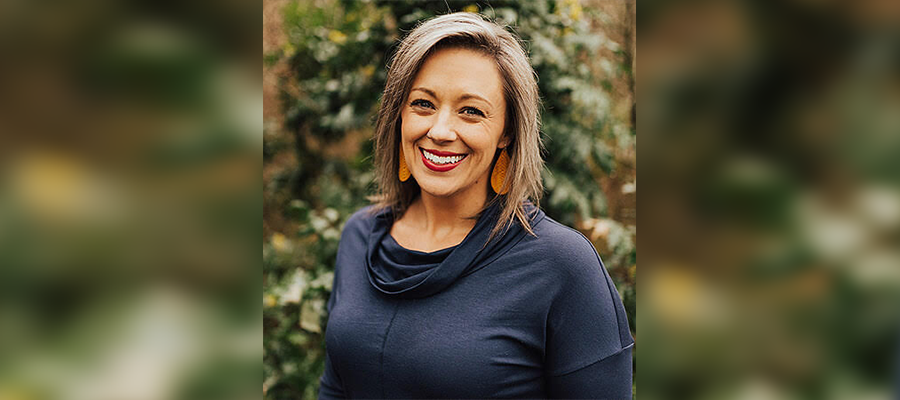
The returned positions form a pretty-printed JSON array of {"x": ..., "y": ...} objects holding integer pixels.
[{"x": 455, "y": 284}]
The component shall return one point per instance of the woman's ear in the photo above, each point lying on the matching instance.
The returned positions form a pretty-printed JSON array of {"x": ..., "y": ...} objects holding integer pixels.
[{"x": 504, "y": 141}]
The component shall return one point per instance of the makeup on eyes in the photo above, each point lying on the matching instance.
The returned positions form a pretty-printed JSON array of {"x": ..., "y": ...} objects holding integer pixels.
[
  {"x": 477, "y": 111},
  {"x": 467, "y": 110},
  {"x": 421, "y": 103}
]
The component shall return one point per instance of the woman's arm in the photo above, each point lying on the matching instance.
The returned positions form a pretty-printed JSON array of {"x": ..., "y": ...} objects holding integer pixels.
[
  {"x": 609, "y": 378},
  {"x": 330, "y": 386},
  {"x": 588, "y": 343}
]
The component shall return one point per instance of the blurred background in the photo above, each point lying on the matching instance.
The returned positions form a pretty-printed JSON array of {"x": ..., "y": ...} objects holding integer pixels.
[
  {"x": 130, "y": 142},
  {"x": 323, "y": 74},
  {"x": 130, "y": 195},
  {"x": 770, "y": 216}
]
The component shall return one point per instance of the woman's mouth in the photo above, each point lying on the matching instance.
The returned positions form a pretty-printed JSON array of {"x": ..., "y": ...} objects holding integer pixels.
[{"x": 441, "y": 161}]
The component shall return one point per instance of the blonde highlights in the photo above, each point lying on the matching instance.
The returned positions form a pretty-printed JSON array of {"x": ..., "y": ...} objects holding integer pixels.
[{"x": 467, "y": 30}]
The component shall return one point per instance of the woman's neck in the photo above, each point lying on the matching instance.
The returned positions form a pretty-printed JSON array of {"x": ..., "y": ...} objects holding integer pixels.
[{"x": 432, "y": 223}]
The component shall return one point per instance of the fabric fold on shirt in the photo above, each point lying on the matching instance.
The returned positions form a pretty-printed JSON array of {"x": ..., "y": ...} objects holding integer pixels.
[{"x": 397, "y": 271}]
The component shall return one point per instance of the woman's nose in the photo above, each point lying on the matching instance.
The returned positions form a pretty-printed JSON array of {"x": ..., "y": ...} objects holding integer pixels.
[{"x": 442, "y": 130}]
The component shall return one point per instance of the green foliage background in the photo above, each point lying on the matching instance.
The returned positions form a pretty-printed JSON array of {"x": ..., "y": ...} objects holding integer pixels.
[{"x": 324, "y": 70}]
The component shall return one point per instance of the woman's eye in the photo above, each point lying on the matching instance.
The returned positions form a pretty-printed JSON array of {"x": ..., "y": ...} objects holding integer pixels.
[
  {"x": 421, "y": 103},
  {"x": 472, "y": 111}
]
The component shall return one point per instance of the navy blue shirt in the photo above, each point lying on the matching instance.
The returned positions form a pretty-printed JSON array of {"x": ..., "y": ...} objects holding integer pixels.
[{"x": 523, "y": 316}]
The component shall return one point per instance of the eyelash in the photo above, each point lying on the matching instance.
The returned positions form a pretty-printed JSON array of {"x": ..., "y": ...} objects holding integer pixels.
[
  {"x": 465, "y": 110},
  {"x": 477, "y": 111},
  {"x": 422, "y": 103}
]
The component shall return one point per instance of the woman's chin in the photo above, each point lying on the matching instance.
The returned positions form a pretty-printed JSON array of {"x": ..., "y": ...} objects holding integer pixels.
[
  {"x": 435, "y": 189},
  {"x": 442, "y": 192}
]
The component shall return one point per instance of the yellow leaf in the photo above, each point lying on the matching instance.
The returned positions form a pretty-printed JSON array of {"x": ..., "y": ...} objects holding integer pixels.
[
  {"x": 575, "y": 12},
  {"x": 289, "y": 50},
  {"x": 471, "y": 8},
  {"x": 368, "y": 70},
  {"x": 280, "y": 243},
  {"x": 337, "y": 36}
]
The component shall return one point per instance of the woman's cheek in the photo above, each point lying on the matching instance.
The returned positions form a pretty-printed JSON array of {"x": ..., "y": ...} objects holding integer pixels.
[{"x": 414, "y": 126}]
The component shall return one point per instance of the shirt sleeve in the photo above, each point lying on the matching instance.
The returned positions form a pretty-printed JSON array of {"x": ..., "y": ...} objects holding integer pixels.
[
  {"x": 588, "y": 343},
  {"x": 330, "y": 386},
  {"x": 609, "y": 378}
]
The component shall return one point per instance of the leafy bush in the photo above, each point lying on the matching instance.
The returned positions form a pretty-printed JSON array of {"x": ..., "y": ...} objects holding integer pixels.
[{"x": 330, "y": 68}]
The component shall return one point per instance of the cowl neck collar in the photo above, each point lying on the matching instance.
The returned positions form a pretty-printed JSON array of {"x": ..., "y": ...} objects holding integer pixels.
[{"x": 397, "y": 271}]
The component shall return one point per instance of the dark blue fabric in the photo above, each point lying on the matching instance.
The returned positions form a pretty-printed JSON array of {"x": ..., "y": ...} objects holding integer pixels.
[
  {"x": 523, "y": 316},
  {"x": 408, "y": 274}
]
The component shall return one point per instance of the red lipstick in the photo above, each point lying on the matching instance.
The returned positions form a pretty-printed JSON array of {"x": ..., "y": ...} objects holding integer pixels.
[{"x": 440, "y": 167}]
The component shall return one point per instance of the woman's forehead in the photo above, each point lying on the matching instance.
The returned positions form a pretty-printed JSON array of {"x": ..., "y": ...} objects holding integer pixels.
[{"x": 460, "y": 72}]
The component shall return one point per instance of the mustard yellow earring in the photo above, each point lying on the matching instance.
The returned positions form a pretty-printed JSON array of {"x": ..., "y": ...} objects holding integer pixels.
[
  {"x": 404, "y": 170},
  {"x": 498, "y": 176}
]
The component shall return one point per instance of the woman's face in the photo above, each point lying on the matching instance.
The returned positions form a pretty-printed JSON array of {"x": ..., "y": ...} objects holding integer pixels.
[{"x": 452, "y": 123}]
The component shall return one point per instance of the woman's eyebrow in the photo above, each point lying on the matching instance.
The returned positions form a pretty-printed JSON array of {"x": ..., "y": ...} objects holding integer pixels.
[
  {"x": 428, "y": 91},
  {"x": 464, "y": 96},
  {"x": 467, "y": 96}
]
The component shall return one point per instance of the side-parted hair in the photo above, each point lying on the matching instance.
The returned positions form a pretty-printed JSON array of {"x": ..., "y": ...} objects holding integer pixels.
[{"x": 522, "y": 125}]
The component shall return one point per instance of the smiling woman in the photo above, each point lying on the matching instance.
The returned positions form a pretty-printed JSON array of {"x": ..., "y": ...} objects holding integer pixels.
[
  {"x": 455, "y": 283},
  {"x": 452, "y": 126},
  {"x": 447, "y": 125}
]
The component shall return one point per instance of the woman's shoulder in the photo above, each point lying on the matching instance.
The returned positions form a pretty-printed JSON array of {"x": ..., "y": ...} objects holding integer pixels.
[
  {"x": 363, "y": 216},
  {"x": 586, "y": 320},
  {"x": 360, "y": 223},
  {"x": 559, "y": 234},
  {"x": 570, "y": 250}
]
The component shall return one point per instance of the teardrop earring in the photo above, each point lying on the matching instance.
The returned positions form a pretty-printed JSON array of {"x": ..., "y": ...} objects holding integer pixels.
[
  {"x": 404, "y": 170},
  {"x": 498, "y": 176}
]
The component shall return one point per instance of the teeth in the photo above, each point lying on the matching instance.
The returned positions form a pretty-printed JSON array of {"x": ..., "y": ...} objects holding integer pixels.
[{"x": 442, "y": 160}]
